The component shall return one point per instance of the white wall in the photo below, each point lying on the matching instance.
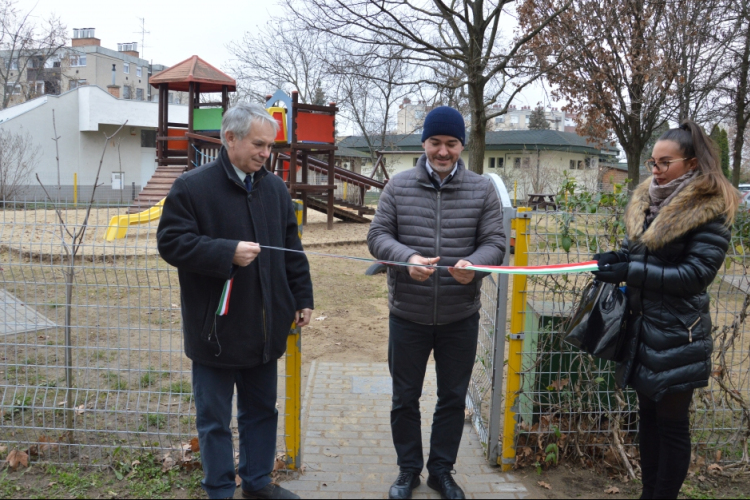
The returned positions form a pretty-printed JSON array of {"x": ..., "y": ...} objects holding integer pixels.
[{"x": 83, "y": 117}]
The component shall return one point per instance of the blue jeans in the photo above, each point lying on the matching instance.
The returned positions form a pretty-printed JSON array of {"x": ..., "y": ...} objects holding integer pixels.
[{"x": 257, "y": 420}]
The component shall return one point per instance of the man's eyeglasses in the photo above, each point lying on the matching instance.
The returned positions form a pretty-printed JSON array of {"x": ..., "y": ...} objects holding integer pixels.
[{"x": 662, "y": 165}]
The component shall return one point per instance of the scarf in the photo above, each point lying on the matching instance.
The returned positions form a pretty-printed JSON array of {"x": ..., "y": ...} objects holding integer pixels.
[{"x": 662, "y": 195}]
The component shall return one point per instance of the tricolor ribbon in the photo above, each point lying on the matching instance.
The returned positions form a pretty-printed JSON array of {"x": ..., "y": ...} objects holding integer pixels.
[
  {"x": 225, "y": 295},
  {"x": 580, "y": 267}
]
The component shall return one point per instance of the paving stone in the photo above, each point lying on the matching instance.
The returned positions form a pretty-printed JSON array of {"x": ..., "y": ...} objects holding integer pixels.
[{"x": 348, "y": 445}]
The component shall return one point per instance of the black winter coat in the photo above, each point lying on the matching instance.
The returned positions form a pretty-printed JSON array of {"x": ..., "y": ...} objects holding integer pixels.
[
  {"x": 672, "y": 263},
  {"x": 207, "y": 213}
]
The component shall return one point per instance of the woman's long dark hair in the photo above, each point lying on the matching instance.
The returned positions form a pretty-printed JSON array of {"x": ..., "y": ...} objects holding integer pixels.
[{"x": 694, "y": 143}]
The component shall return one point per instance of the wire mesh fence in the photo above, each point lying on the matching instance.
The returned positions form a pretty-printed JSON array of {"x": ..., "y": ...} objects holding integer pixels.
[
  {"x": 569, "y": 399},
  {"x": 119, "y": 380}
]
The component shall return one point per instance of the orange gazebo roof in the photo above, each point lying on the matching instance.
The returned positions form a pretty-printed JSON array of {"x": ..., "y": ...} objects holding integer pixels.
[{"x": 193, "y": 69}]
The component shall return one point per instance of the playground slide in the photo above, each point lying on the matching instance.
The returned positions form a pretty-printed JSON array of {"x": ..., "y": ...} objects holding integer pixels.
[{"x": 118, "y": 226}]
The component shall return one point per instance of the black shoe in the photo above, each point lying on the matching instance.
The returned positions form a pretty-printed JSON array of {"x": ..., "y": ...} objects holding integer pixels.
[
  {"x": 445, "y": 484},
  {"x": 272, "y": 491},
  {"x": 404, "y": 484}
]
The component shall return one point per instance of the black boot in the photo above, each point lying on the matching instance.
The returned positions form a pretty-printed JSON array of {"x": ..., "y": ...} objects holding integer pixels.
[
  {"x": 674, "y": 457},
  {"x": 648, "y": 443}
]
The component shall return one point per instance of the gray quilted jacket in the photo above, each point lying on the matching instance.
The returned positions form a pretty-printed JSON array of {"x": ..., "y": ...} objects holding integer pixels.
[{"x": 463, "y": 220}]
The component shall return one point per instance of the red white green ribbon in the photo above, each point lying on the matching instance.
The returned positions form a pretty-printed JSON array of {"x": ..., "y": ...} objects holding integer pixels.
[
  {"x": 225, "y": 295},
  {"x": 580, "y": 267}
]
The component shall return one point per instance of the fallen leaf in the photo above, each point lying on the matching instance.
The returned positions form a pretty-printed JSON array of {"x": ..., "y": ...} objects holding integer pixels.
[
  {"x": 195, "y": 446},
  {"x": 612, "y": 490},
  {"x": 718, "y": 456},
  {"x": 175, "y": 306},
  {"x": 468, "y": 413},
  {"x": 320, "y": 318},
  {"x": 3, "y": 449},
  {"x": 61, "y": 403},
  {"x": 701, "y": 478},
  {"x": 714, "y": 469},
  {"x": 135, "y": 462},
  {"x": 52, "y": 484},
  {"x": 544, "y": 485},
  {"x": 331, "y": 455},
  {"x": 238, "y": 481},
  {"x": 46, "y": 444},
  {"x": 167, "y": 463},
  {"x": 16, "y": 458},
  {"x": 558, "y": 385},
  {"x": 80, "y": 409},
  {"x": 279, "y": 464}
]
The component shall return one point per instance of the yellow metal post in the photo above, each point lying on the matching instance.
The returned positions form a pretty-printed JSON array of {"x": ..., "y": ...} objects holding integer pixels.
[
  {"x": 75, "y": 189},
  {"x": 515, "y": 345},
  {"x": 293, "y": 408}
]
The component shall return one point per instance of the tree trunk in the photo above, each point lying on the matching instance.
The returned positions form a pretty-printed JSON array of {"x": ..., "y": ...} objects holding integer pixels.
[
  {"x": 634, "y": 166},
  {"x": 741, "y": 109},
  {"x": 477, "y": 140}
]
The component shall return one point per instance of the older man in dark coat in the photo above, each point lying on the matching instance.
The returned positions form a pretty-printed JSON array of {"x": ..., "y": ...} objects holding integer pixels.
[
  {"x": 437, "y": 212},
  {"x": 238, "y": 302}
]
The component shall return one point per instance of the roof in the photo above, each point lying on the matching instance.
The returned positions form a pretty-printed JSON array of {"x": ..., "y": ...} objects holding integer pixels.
[
  {"x": 351, "y": 153},
  {"x": 505, "y": 140},
  {"x": 193, "y": 69}
]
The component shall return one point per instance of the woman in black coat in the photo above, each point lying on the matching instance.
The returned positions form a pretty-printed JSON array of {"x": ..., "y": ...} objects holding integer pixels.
[{"x": 677, "y": 237}]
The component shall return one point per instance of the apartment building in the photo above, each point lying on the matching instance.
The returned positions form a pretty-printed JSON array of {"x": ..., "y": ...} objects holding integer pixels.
[
  {"x": 122, "y": 72},
  {"x": 411, "y": 117}
]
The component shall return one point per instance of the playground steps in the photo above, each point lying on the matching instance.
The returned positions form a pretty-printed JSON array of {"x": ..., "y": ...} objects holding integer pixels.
[
  {"x": 321, "y": 205},
  {"x": 157, "y": 187}
]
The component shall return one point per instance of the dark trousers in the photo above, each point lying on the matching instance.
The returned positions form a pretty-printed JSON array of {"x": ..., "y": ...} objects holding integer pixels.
[
  {"x": 664, "y": 441},
  {"x": 409, "y": 346},
  {"x": 257, "y": 419}
]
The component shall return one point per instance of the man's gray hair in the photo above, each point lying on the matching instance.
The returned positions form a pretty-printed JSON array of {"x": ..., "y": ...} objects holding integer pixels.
[{"x": 241, "y": 116}]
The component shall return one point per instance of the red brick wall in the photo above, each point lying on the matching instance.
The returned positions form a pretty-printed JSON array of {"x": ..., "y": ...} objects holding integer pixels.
[{"x": 612, "y": 176}]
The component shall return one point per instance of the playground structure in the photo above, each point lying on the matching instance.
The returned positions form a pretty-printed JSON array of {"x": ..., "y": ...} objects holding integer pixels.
[{"x": 306, "y": 139}]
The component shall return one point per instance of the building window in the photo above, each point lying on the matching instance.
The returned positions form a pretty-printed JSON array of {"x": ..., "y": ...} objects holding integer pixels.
[
  {"x": 501, "y": 162},
  {"x": 492, "y": 163},
  {"x": 580, "y": 164},
  {"x": 126, "y": 92},
  {"x": 514, "y": 119},
  {"x": 11, "y": 64},
  {"x": 500, "y": 119},
  {"x": 138, "y": 71},
  {"x": 526, "y": 162},
  {"x": 74, "y": 84},
  {"x": 148, "y": 138},
  {"x": 415, "y": 161},
  {"x": 139, "y": 94},
  {"x": 126, "y": 68},
  {"x": 39, "y": 88},
  {"x": 52, "y": 62},
  {"x": 517, "y": 162},
  {"x": 78, "y": 60},
  {"x": 13, "y": 89},
  {"x": 572, "y": 165}
]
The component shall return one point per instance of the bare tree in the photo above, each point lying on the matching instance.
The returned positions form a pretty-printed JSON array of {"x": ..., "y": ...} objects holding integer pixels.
[
  {"x": 279, "y": 56},
  {"x": 614, "y": 61},
  {"x": 700, "y": 47},
  {"x": 71, "y": 239},
  {"x": 465, "y": 35},
  {"x": 27, "y": 46},
  {"x": 737, "y": 88},
  {"x": 18, "y": 157},
  {"x": 367, "y": 89}
]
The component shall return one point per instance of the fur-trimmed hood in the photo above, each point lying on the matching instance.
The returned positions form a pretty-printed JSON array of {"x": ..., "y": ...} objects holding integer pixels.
[{"x": 693, "y": 206}]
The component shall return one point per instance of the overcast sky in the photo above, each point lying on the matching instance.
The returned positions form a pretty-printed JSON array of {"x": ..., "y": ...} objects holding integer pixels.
[{"x": 179, "y": 30}]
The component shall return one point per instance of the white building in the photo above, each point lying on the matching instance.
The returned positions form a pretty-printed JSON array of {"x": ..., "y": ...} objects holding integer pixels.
[
  {"x": 83, "y": 116},
  {"x": 518, "y": 119},
  {"x": 529, "y": 161}
]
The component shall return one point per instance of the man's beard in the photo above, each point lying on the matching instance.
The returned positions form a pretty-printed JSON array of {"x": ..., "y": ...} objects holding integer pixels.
[{"x": 440, "y": 169}]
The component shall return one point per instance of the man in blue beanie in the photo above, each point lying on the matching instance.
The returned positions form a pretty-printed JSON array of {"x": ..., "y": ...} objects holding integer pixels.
[{"x": 436, "y": 213}]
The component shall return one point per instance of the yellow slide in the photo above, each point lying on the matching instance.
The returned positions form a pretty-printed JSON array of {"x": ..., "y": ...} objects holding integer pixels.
[{"x": 118, "y": 226}]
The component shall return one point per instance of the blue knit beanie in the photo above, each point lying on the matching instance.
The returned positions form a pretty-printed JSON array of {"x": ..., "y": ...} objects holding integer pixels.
[{"x": 444, "y": 120}]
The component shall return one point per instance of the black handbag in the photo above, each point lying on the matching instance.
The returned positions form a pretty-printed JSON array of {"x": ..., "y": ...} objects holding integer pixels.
[{"x": 599, "y": 322}]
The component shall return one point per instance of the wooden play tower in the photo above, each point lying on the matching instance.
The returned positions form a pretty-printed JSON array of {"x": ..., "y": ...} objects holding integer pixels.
[
  {"x": 306, "y": 140},
  {"x": 184, "y": 146}
]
